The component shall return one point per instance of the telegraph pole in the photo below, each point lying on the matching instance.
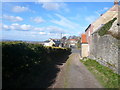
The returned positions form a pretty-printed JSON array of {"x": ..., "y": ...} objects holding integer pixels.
[{"x": 60, "y": 35}]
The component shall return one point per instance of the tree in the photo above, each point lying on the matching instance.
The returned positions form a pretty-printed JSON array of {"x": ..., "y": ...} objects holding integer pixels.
[{"x": 64, "y": 37}]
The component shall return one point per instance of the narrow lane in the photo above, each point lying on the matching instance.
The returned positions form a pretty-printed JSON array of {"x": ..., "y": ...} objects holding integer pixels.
[{"x": 75, "y": 75}]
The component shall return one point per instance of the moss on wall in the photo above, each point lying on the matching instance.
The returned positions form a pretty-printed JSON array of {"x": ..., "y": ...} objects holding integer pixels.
[{"x": 104, "y": 30}]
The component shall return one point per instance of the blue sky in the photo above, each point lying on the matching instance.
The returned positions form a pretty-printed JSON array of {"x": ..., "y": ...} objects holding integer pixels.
[{"x": 37, "y": 21}]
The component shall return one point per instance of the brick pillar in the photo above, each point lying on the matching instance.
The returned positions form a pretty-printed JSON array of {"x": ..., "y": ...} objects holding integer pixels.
[{"x": 84, "y": 46}]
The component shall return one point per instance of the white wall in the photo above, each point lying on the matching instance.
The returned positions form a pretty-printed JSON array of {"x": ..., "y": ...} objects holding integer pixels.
[{"x": 84, "y": 50}]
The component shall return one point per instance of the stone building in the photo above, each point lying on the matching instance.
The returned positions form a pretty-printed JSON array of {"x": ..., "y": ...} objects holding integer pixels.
[{"x": 104, "y": 48}]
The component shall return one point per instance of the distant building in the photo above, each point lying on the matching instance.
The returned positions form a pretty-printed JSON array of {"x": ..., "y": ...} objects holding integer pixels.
[
  {"x": 72, "y": 42},
  {"x": 52, "y": 42},
  {"x": 57, "y": 42}
]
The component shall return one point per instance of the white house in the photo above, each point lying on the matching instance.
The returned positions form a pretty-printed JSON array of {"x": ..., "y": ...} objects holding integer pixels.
[
  {"x": 52, "y": 42},
  {"x": 49, "y": 43}
]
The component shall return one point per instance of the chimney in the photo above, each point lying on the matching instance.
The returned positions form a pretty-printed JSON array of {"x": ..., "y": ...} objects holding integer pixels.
[
  {"x": 116, "y": 2},
  {"x": 101, "y": 14}
]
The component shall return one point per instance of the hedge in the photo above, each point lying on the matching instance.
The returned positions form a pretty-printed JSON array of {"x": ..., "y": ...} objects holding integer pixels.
[{"x": 18, "y": 59}]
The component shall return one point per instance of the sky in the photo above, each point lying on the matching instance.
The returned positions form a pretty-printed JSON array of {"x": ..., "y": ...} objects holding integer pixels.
[{"x": 39, "y": 21}]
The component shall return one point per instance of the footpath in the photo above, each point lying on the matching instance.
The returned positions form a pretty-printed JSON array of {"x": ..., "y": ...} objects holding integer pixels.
[{"x": 74, "y": 74}]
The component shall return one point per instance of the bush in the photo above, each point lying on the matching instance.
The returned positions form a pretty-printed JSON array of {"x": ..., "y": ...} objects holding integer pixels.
[{"x": 18, "y": 58}]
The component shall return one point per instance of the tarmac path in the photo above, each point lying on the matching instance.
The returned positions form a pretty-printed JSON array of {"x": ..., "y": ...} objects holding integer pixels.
[{"x": 74, "y": 74}]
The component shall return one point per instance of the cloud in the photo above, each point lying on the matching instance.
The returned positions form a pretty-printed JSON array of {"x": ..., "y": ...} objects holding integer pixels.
[
  {"x": 55, "y": 29},
  {"x": 16, "y": 26},
  {"x": 99, "y": 12},
  {"x": 76, "y": 18},
  {"x": 13, "y": 18},
  {"x": 20, "y": 9},
  {"x": 42, "y": 33},
  {"x": 52, "y": 5},
  {"x": 52, "y": 31},
  {"x": 38, "y": 29},
  {"x": 90, "y": 19},
  {"x": 65, "y": 34},
  {"x": 65, "y": 22},
  {"x": 26, "y": 27},
  {"x": 38, "y": 20},
  {"x": 105, "y": 8},
  {"x": 5, "y": 27},
  {"x": 0, "y": 26}
]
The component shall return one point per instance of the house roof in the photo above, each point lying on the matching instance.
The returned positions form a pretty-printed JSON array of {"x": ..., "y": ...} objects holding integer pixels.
[
  {"x": 47, "y": 41},
  {"x": 83, "y": 38},
  {"x": 107, "y": 16},
  {"x": 87, "y": 27},
  {"x": 57, "y": 42},
  {"x": 114, "y": 8}
]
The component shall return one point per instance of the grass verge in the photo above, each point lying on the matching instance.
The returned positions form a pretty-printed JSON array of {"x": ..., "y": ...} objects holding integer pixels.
[
  {"x": 66, "y": 75},
  {"x": 104, "y": 75}
]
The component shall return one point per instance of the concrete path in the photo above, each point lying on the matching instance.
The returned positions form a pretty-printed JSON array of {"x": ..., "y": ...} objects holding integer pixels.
[{"x": 74, "y": 74}]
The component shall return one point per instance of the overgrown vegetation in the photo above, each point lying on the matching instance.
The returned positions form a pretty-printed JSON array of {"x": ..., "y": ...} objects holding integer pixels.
[
  {"x": 25, "y": 64},
  {"x": 105, "y": 76},
  {"x": 104, "y": 30}
]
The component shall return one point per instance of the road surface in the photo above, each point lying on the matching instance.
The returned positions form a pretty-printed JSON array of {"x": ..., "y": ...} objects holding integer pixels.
[{"x": 74, "y": 74}]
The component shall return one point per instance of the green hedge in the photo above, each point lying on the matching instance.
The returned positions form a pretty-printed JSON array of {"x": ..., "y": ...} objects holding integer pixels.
[
  {"x": 18, "y": 59},
  {"x": 104, "y": 30}
]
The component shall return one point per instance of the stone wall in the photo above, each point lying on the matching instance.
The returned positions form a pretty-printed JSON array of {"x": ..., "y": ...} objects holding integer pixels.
[{"x": 105, "y": 49}]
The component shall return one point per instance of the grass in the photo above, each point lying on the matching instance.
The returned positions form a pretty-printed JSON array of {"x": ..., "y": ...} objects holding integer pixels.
[
  {"x": 104, "y": 75},
  {"x": 67, "y": 70}
]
